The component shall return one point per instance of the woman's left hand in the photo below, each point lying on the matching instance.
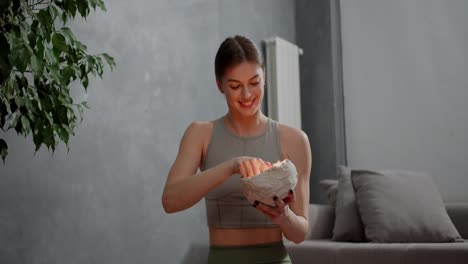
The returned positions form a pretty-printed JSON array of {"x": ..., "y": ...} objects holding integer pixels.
[{"x": 281, "y": 209}]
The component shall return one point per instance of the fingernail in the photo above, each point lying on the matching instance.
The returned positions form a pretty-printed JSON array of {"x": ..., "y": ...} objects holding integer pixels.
[
  {"x": 256, "y": 203},
  {"x": 291, "y": 191},
  {"x": 275, "y": 198}
]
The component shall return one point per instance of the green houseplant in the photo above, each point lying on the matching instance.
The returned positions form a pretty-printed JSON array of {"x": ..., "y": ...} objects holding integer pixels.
[{"x": 39, "y": 59}]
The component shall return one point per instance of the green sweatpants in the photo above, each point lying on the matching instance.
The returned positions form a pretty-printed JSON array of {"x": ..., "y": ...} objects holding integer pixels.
[{"x": 272, "y": 253}]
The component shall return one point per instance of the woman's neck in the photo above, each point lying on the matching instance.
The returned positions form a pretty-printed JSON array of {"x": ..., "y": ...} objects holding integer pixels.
[{"x": 246, "y": 125}]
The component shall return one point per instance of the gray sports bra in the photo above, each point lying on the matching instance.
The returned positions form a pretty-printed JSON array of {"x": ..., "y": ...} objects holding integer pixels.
[{"x": 226, "y": 206}]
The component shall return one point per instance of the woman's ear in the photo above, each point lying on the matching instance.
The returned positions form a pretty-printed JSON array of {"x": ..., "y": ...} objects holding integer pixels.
[{"x": 220, "y": 87}]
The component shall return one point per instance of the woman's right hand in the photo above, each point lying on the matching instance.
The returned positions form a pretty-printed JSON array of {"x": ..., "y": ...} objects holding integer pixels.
[{"x": 249, "y": 166}]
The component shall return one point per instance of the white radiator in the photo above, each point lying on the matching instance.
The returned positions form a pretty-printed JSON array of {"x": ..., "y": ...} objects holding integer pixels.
[{"x": 282, "y": 81}]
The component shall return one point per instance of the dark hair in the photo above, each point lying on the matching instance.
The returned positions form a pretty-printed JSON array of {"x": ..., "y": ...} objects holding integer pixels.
[{"x": 235, "y": 50}]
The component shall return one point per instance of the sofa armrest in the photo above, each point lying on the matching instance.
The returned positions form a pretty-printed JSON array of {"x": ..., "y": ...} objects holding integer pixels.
[
  {"x": 321, "y": 220},
  {"x": 458, "y": 213}
]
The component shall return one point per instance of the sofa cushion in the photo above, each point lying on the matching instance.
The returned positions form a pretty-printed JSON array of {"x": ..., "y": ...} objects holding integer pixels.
[
  {"x": 321, "y": 218},
  {"x": 401, "y": 206},
  {"x": 348, "y": 225}
]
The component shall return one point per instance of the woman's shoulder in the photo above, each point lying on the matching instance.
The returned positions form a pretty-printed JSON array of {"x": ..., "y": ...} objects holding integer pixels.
[
  {"x": 200, "y": 124},
  {"x": 289, "y": 133},
  {"x": 295, "y": 144},
  {"x": 204, "y": 126},
  {"x": 201, "y": 129}
]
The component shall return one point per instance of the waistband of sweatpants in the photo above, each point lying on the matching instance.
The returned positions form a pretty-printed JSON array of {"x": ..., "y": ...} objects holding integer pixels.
[{"x": 262, "y": 245}]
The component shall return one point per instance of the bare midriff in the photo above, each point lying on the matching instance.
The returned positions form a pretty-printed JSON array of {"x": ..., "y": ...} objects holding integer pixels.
[{"x": 244, "y": 236}]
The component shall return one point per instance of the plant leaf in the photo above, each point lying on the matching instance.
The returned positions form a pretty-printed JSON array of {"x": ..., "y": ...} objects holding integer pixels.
[
  {"x": 68, "y": 33},
  {"x": 85, "y": 104},
  {"x": 63, "y": 134},
  {"x": 25, "y": 124},
  {"x": 36, "y": 65},
  {"x": 22, "y": 60},
  {"x": 11, "y": 87},
  {"x": 3, "y": 149},
  {"x": 58, "y": 40},
  {"x": 39, "y": 59},
  {"x": 101, "y": 5},
  {"x": 53, "y": 12},
  {"x": 13, "y": 119},
  {"x": 44, "y": 18},
  {"x": 110, "y": 60}
]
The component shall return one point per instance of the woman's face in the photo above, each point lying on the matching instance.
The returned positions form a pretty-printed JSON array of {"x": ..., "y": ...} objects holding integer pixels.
[{"x": 242, "y": 85}]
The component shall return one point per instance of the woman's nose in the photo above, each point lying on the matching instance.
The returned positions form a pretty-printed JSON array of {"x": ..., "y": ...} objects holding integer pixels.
[{"x": 246, "y": 92}]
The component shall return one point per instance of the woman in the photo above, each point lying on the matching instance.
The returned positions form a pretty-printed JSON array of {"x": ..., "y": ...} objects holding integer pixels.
[{"x": 244, "y": 142}]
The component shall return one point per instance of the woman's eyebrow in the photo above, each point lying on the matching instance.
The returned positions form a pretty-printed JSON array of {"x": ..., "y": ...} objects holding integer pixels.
[
  {"x": 256, "y": 75},
  {"x": 232, "y": 80}
]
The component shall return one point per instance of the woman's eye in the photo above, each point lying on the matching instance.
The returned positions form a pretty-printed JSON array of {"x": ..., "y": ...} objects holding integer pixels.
[
  {"x": 254, "y": 83},
  {"x": 235, "y": 87}
]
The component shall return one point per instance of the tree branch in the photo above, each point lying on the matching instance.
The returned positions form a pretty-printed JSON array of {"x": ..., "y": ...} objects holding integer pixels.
[
  {"x": 42, "y": 3},
  {"x": 38, "y": 3}
]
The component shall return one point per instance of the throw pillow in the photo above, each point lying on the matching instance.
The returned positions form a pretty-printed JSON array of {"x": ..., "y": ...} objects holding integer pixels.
[
  {"x": 330, "y": 187},
  {"x": 348, "y": 225},
  {"x": 402, "y": 206}
]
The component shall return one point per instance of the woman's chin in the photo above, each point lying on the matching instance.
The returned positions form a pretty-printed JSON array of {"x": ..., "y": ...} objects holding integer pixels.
[{"x": 248, "y": 111}]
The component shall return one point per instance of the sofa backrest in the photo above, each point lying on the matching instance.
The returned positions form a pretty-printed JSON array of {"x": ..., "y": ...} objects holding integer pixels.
[
  {"x": 321, "y": 221},
  {"x": 322, "y": 218},
  {"x": 458, "y": 213}
]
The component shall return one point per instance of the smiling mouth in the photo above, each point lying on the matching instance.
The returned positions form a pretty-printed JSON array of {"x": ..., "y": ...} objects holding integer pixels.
[{"x": 248, "y": 104}]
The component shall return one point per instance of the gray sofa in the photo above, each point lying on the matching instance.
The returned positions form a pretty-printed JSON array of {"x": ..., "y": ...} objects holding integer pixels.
[{"x": 318, "y": 248}]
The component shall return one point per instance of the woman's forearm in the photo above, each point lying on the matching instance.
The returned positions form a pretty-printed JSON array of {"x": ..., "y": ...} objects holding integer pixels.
[
  {"x": 185, "y": 193},
  {"x": 294, "y": 227}
]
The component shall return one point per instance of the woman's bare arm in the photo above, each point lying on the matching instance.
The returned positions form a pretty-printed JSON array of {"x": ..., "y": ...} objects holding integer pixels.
[
  {"x": 184, "y": 188},
  {"x": 292, "y": 215}
]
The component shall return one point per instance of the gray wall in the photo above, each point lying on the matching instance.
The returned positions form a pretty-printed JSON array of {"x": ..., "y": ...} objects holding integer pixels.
[
  {"x": 406, "y": 88},
  {"x": 101, "y": 202}
]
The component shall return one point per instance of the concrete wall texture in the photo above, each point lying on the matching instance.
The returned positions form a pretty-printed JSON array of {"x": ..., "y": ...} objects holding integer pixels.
[
  {"x": 406, "y": 88},
  {"x": 404, "y": 81},
  {"x": 101, "y": 202}
]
